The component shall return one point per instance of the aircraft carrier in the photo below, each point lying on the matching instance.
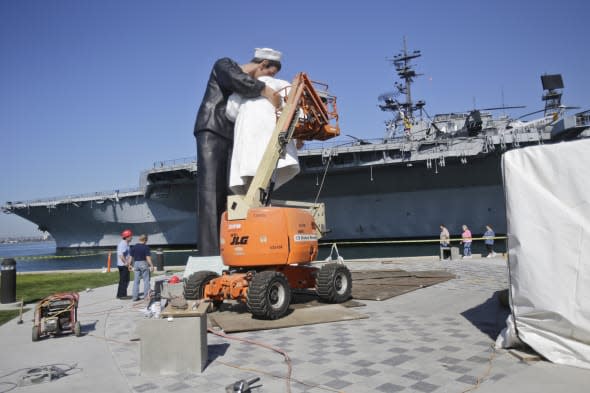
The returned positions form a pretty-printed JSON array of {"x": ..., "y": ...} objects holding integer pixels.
[{"x": 424, "y": 172}]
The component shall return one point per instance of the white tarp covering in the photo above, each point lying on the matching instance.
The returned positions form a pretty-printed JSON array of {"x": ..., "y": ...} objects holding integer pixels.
[
  {"x": 548, "y": 212},
  {"x": 255, "y": 121}
]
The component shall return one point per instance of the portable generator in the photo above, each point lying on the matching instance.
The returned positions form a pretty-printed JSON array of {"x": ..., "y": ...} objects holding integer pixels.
[{"x": 57, "y": 314}]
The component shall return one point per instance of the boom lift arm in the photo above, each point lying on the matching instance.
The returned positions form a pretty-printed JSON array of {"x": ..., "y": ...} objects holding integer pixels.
[{"x": 308, "y": 114}]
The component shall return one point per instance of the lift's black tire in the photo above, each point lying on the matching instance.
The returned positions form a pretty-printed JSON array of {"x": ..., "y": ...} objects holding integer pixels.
[
  {"x": 269, "y": 295},
  {"x": 35, "y": 335},
  {"x": 334, "y": 283},
  {"x": 194, "y": 285},
  {"x": 77, "y": 329}
]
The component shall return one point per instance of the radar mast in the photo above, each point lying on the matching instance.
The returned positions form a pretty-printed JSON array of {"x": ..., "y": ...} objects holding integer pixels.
[{"x": 406, "y": 72}]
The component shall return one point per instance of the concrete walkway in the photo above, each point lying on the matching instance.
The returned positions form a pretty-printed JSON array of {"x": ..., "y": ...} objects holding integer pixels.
[{"x": 436, "y": 339}]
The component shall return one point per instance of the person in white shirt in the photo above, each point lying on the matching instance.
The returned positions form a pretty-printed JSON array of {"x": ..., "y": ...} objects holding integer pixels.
[
  {"x": 123, "y": 262},
  {"x": 444, "y": 242}
]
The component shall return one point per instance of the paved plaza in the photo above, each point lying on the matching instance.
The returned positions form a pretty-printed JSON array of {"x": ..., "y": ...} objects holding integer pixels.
[{"x": 435, "y": 339}]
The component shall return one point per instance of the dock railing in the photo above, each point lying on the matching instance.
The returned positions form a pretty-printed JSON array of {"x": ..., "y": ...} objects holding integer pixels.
[{"x": 73, "y": 198}]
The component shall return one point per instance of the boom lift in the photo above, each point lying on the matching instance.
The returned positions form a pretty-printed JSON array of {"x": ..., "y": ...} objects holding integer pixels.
[{"x": 268, "y": 249}]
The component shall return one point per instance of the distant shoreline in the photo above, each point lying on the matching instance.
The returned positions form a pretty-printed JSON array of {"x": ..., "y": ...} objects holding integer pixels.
[{"x": 20, "y": 240}]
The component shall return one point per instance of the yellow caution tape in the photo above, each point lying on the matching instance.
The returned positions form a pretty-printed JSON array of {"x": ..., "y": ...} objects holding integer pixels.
[
  {"x": 171, "y": 251},
  {"x": 406, "y": 241},
  {"x": 36, "y": 257},
  {"x": 40, "y": 257},
  {"x": 33, "y": 257}
]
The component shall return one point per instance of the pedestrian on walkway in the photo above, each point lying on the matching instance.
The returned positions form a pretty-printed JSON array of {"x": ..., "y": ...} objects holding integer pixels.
[
  {"x": 466, "y": 239},
  {"x": 489, "y": 241},
  {"x": 123, "y": 261},
  {"x": 445, "y": 237},
  {"x": 142, "y": 266}
]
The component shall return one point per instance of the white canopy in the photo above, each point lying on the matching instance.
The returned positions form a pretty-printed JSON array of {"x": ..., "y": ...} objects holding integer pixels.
[{"x": 548, "y": 212}]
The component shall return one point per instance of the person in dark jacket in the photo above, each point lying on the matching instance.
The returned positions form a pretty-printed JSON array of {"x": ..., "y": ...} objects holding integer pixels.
[
  {"x": 142, "y": 266},
  {"x": 214, "y": 135}
]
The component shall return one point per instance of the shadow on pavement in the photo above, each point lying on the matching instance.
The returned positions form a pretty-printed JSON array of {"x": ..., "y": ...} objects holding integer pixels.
[
  {"x": 216, "y": 350},
  {"x": 489, "y": 317}
]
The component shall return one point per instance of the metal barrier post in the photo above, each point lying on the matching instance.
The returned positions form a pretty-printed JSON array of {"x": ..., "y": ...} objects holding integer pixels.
[
  {"x": 8, "y": 281},
  {"x": 159, "y": 260}
]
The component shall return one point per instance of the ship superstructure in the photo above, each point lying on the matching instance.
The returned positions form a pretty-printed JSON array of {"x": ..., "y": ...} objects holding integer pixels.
[{"x": 426, "y": 171}]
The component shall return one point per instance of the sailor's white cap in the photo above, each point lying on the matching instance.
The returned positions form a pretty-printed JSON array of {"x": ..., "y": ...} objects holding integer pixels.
[{"x": 267, "y": 54}]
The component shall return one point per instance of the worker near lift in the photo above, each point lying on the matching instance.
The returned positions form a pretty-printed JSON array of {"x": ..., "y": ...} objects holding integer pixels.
[
  {"x": 123, "y": 261},
  {"x": 214, "y": 134}
]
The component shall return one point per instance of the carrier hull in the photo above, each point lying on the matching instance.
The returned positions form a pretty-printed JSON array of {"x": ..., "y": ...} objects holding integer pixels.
[
  {"x": 380, "y": 201},
  {"x": 425, "y": 172}
]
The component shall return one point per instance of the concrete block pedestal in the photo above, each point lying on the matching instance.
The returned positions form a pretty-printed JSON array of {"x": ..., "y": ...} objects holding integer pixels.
[{"x": 175, "y": 346}]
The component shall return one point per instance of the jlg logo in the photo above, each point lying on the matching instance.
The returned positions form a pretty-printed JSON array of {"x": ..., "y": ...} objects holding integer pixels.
[{"x": 235, "y": 240}]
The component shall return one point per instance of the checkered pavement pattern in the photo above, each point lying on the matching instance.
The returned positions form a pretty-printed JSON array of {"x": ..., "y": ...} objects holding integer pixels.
[{"x": 409, "y": 343}]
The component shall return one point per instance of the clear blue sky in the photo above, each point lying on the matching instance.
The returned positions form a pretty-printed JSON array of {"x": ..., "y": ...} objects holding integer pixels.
[{"x": 93, "y": 92}]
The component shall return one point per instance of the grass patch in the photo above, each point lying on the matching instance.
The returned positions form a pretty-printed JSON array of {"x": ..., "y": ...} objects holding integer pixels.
[
  {"x": 34, "y": 287},
  {"x": 7, "y": 315}
]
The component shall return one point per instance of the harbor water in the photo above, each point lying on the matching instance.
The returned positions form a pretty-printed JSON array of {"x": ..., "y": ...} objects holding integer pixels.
[{"x": 43, "y": 256}]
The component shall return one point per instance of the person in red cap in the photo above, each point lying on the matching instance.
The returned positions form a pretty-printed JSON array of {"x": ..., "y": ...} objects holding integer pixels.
[
  {"x": 214, "y": 133},
  {"x": 123, "y": 261}
]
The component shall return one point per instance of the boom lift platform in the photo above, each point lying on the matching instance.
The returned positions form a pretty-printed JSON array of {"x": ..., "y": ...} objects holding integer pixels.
[{"x": 268, "y": 249}]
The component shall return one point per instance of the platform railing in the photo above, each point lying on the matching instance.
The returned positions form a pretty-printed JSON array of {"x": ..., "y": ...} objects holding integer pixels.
[
  {"x": 183, "y": 161},
  {"x": 75, "y": 197}
]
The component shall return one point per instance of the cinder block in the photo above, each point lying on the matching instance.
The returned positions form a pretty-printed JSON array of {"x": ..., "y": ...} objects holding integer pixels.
[
  {"x": 455, "y": 254},
  {"x": 170, "y": 291},
  {"x": 173, "y": 347}
]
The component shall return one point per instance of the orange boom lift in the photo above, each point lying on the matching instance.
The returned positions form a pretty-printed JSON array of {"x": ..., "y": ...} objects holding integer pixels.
[{"x": 269, "y": 249}]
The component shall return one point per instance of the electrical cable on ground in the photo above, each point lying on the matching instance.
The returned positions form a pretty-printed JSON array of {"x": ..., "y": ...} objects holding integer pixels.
[
  {"x": 11, "y": 387},
  {"x": 38, "y": 374},
  {"x": 112, "y": 339},
  {"x": 288, "y": 378},
  {"x": 278, "y": 350},
  {"x": 100, "y": 312},
  {"x": 486, "y": 373},
  {"x": 279, "y": 376}
]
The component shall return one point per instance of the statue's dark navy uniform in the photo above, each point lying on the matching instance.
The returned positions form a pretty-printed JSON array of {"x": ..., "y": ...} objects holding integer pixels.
[{"x": 214, "y": 134}]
